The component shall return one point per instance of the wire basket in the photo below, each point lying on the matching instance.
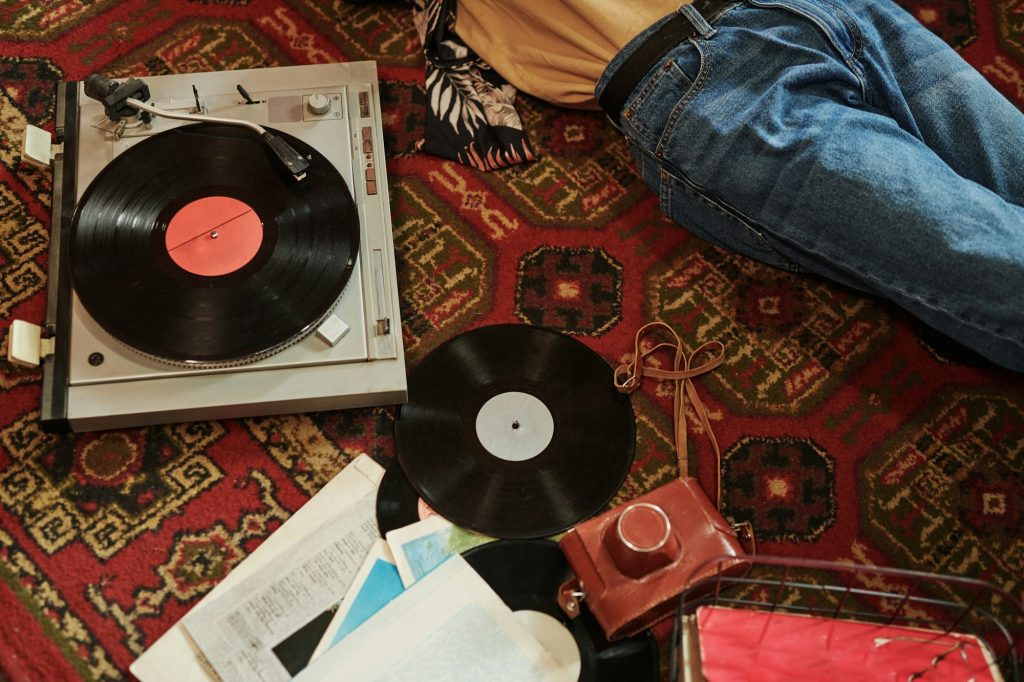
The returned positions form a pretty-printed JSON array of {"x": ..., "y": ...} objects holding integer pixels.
[{"x": 940, "y": 604}]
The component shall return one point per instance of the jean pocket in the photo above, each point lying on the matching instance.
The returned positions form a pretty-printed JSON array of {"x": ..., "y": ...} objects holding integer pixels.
[
  {"x": 666, "y": 91},
  {"x": 837, "y": 28}
]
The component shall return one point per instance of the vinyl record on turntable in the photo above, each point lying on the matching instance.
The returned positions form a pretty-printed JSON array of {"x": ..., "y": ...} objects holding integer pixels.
[
  {"x": 515, "y": 431},
  {"x": 196, "y": 247},
  {"x": 526, "y": 574}
]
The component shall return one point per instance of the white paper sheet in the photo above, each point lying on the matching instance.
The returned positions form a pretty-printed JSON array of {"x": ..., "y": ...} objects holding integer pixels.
[
  {"x": 376, "y": 584},
  {"x": 449, "y": 626},
  {"x": 174, "y": 657}
]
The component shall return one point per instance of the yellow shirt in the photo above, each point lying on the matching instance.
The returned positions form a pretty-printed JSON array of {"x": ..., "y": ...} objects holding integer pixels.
[{"x": 554, "y": 49}]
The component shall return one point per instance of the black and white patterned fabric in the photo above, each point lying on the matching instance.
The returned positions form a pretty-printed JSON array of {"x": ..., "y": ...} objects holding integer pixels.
[{"x": 471, "y": 116}]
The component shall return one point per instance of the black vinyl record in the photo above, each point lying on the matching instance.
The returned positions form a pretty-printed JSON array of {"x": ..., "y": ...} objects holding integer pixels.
[
  {"x": 526, "y": 574},
  {"x": 515, "y": 431},
  {"x": 397, "y": 501},
  {"x": 124, "y": 270}
]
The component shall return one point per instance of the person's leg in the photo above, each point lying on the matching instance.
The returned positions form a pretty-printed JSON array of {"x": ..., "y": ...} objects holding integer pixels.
[
  {"x": 767, "y": 138},
  {"x": 932, "y": 92}
]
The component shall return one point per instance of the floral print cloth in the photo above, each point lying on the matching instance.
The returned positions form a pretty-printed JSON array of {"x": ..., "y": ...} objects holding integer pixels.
[{"x": 471, "y": 116}]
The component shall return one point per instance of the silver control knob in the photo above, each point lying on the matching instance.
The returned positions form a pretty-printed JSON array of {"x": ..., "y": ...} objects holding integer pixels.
[{"x": 318, "y": 104}]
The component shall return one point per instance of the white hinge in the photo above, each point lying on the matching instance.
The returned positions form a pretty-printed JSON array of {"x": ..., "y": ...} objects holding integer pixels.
[
  {"x": 26, "y": 345},
  {"x": 37, "y": 147}
]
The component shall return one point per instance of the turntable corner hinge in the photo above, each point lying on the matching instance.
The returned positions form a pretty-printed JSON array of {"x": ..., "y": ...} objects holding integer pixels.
[
  {"x": 383, "y": 327},
  {"x": 26, "y": 345},
  {"x": 37, "y": 147}
]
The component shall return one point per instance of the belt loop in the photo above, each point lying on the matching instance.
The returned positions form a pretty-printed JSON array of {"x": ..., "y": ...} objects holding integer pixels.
[{"x": 705, "y": 29}]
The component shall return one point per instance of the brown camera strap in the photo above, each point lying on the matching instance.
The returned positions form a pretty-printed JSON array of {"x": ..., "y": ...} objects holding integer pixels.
[{"x": 684, "y": 368}]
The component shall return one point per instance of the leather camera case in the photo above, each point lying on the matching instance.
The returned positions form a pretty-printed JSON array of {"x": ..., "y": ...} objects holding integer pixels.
[{"x": 630, "y": 569}]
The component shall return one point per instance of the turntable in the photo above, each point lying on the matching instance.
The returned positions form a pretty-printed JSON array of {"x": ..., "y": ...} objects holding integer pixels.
[{"x": 221, "y": 247}]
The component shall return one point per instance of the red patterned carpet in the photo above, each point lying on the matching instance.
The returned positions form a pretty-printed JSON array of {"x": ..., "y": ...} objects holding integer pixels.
[{"x": 849, "y": 431}]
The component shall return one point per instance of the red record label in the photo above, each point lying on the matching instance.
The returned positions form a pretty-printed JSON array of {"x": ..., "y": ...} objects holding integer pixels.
[{"x": 214, "y": 236}]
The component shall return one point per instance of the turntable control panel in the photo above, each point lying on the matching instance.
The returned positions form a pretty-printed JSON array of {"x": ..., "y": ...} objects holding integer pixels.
[{"x": 369, "y": 171}]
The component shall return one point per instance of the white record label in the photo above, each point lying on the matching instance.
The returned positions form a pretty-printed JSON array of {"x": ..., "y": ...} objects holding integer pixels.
[
  {"x": 554, "y": 637},
  {"x": 514, "y": 426}
]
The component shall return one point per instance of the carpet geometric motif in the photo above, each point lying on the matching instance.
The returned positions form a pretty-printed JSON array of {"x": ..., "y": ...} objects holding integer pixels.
[
  {"x": 989, "y": 503},
  {"x": 402, "y": 106},
  {"x": 951, "y": 20},
  {"x": 196, "y": 45},
  {"x": 1010, "y": 24},
  {"x": 197, "y": 560},
  {"x": 653, "y": 438},
  {"x": 789, "y": 339},
  {"x": 443, "y": 272},
  {"x": 315, "y": 447},
  {"x": 368, "y": 431},
  {"x": 22, "y": 239},
  {"x": 584, "y": 175},
  {"x": 784, "y": 486},
  {"x": 872, "y": 398},
  {"x": 106, "y": 489},
  {"x": 945, "y": 491},
  {"x": 576, "y": 290},
  {"x": 373, "y": 31},
  {"x": 27, "y": 96},
  {"x": 24, "y": 20},
  {"x": 64, "y": 628},
  {"x": 123, "y": 23}
]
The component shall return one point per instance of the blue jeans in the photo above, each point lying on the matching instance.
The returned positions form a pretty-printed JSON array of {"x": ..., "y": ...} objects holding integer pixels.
[{"x": 842, "y": 138}]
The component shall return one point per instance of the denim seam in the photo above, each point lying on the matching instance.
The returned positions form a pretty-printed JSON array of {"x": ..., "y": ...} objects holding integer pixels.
[
  {"x": 737, "y": 217},
  {"x": 719, "y": 206},
  {"x": 638, "y": 100},
  {"x": 974, "y": 324},
  {"x": 857, "y": 38},
  {"x": 865, "y": 272},
  {"x": 852, "y": 60},
  {"x": 703, "y": 75}
]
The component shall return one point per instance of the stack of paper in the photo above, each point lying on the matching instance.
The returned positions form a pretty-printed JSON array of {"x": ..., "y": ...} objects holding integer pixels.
[
  {"x": 449, "y": 626},
  {"x": 325, "y": 598}
]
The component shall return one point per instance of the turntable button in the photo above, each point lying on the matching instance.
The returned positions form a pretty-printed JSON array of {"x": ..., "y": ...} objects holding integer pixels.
[
  {"x": 371, "y": 175},
  {"x": 366, "y": 133},
  {"x": 367, "y": 147},
  {"x": 371, "y": 187},
  {"x": 332, "y": 330},
  {"x": 364, "y": 110},
  {"x": 364, "y": 97}
]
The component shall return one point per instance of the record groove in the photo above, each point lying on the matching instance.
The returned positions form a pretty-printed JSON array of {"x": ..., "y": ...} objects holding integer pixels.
[
  {"x": 585, "y": 457},
  {"x": 526, "y": 574},
  {"x": 129, "y": 284}
]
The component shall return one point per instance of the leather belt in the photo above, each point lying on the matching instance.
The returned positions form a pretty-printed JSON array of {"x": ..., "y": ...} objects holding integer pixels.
[{"x": 670, "y": 34}]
